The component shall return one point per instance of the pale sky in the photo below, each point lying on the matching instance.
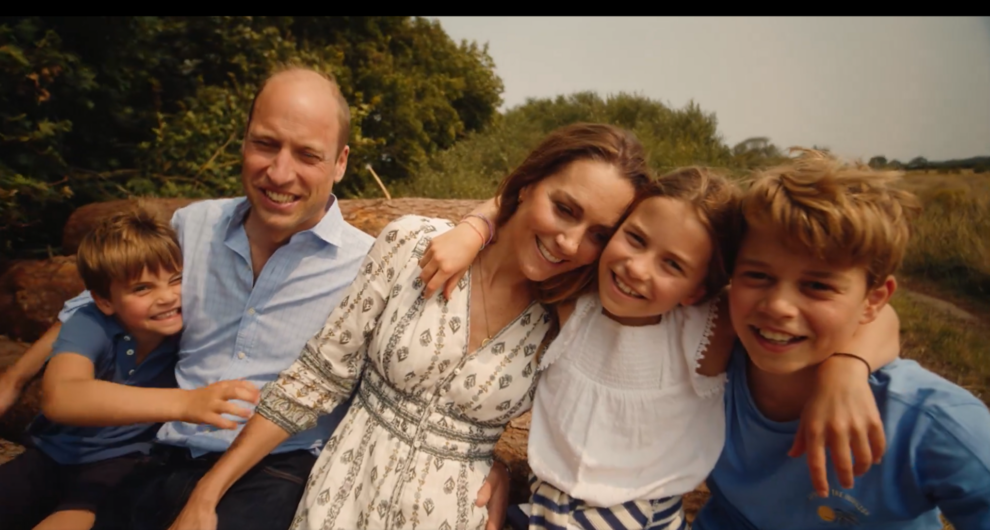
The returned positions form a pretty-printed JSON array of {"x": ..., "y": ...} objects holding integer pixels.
[{"x": 899, "y": 87}]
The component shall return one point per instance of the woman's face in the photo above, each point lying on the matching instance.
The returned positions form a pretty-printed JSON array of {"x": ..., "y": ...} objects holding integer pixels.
[{"x": 564, "y": 220}]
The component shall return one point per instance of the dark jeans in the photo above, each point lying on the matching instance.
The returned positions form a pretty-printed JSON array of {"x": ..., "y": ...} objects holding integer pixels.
[
  {"x": 33, "y": 486},
  {"x": 152, "y": 496}
]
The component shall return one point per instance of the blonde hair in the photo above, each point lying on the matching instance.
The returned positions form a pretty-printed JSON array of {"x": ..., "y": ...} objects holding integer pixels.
[
  {"x": 122, "y": 246},
  {"x": 839, "y": 212},
  {"x": 715, "y": 200}
]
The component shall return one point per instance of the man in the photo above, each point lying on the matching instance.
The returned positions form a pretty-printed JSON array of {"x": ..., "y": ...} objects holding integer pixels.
[{"x": 261, "y": 274}]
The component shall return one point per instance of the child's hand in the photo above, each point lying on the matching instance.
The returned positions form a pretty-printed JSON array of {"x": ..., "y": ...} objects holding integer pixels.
[
  {"x": 205, "y": 405},
  {"x": 449, "y": 256},
  {"x": 841, "y": 413}
]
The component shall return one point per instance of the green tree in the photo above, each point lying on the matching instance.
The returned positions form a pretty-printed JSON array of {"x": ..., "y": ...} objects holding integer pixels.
[
  {"x": 96, "y": 108},
  {"x": 878, "y": 162}
]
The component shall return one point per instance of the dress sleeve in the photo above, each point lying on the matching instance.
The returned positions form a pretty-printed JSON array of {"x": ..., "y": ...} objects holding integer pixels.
[
  {"x": 696, "y": 325},
  {"x": 330, "y": 365}
]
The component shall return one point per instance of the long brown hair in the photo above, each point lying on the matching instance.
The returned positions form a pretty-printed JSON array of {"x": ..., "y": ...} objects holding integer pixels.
[{"x": 579, "y": 141}]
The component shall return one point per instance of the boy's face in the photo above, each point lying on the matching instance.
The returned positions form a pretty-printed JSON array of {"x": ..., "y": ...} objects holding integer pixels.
[
  {"x": 148, "y": 307},
  {"x": 657, "y": 259},
  {"x": 792, "y": 310}
]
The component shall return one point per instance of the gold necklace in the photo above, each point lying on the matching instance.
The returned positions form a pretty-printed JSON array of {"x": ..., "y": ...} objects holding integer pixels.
[{"x": 484, "y": 301}]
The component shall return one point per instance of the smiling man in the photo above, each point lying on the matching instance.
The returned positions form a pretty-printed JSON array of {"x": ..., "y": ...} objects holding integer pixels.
[{"x": 261, "y": 274}]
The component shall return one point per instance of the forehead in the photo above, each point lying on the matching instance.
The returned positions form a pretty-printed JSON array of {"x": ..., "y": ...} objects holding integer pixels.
[
  {"x": 770, "y": 248},
  {"x": 597, "y": 187},
  {"x": 296, "y": 106},
  {"x": 672, "y": 222}
]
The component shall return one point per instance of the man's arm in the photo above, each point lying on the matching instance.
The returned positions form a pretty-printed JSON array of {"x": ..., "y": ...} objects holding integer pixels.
[{"x": 12, "y": 381}]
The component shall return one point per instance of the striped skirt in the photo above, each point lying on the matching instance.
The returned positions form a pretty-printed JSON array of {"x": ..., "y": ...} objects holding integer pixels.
[{"x": 552, "y": 509}]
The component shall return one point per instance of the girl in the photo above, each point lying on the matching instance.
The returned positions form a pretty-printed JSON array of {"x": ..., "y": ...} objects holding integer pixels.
[{"x": 629, "y": 413}]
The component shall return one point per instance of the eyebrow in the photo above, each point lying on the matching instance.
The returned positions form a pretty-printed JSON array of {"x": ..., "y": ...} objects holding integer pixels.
[
  {"x": 822, "y": 275},
  {"x": 645, "y": 235}
]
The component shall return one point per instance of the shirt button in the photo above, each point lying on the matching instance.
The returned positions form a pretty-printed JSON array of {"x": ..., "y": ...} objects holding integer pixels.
[
  {"x": 240, "y": 355},
  {"x": 130, "y": 352},
  {"x": 251, "y": 311},
  {"x": 417, "y": 443},
  {"x": 127, "y": 338},
  {"x": 131, "y": 372}
]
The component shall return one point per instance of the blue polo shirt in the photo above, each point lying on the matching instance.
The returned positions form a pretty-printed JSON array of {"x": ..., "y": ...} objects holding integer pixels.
[
  {"x": 937, "y": 460},
  {"x": 102, "y": 340}
]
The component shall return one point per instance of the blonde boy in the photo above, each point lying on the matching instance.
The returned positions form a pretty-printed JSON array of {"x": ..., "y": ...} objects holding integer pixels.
[
  {"x": 110, "y": 380},
  {"x": 821, "y": 242}
]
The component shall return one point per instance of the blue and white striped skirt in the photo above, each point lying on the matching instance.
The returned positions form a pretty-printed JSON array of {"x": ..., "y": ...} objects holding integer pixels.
[{"x": 552, "y": 509}]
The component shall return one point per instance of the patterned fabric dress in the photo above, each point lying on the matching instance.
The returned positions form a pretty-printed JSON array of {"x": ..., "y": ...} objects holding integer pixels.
[{"x": 417, "y": 443}]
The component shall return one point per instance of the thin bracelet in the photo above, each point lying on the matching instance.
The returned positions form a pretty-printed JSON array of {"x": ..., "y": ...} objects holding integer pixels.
[
  {"x": 476, "y": 231},
  {"x": 854, "y": 356},
  {"x": 491, "y": 229}
]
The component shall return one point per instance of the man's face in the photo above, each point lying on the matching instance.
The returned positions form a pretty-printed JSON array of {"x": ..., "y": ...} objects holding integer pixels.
[
  {"x": 290, "y": 154},
  {"x": 792, "y": 310}
]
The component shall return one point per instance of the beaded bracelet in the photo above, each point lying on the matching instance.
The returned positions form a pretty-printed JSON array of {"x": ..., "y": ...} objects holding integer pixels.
[
  {"x": 869, "y": 369},
  {"x": 491, "y": 229}
]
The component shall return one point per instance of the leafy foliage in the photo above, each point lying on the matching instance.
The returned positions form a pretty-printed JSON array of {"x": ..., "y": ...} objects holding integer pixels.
[{"x": 97, "y": 108}]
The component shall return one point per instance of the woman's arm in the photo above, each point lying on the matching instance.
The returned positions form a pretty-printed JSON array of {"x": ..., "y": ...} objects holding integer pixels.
[
  {"x": 450, "y": 254},
  {"x": 326, "y": 373}
]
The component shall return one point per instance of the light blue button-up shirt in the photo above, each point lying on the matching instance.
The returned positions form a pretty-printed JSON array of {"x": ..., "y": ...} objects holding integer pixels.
[{"x": 236, "y": 328}]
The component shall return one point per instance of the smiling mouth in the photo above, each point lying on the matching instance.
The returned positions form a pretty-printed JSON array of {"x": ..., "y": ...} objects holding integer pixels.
[
  {"x": 777, "y": 337},
  {"x": 625, "y": 289},
  {"x": 279, "y": 198},
  {"x": 545, "y": 252},
  {"x": 167, "y": 314}
]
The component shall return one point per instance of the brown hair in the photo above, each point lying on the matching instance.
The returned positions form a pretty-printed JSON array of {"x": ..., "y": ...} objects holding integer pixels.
[
  {"x": 122, "y": 246},
  {"x": 343, "y": 110},
  {"x": 842, "y": 213},
  {"x": 715, "y": 200},
  {"x": 580, "y": 141}
]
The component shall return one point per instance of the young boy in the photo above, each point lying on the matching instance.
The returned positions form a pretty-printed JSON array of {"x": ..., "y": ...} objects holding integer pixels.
[
  {"x": 821, "y": 242},
  {"x": 110, "y": 380}
]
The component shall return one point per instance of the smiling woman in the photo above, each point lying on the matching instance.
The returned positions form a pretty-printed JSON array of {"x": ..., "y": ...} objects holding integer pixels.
[{"x": 436, "y": 378}]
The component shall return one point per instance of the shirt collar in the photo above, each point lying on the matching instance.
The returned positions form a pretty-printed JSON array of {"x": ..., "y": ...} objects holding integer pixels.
[{"x": 329, "y": 229}]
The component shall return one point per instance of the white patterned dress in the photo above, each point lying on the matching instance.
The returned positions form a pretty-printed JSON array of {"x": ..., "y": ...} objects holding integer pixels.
[{"x": 416, "y": 444}]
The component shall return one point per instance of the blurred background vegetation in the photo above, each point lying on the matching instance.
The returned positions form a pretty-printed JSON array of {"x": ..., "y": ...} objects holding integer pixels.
[{"x": 98, "y": 108}]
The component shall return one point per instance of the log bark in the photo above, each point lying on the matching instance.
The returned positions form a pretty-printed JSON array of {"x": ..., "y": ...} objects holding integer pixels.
[
  {"x": 32, "y": 293},
  {"x": 369, "y": 215},
  {"x": 12, "y": 423}
]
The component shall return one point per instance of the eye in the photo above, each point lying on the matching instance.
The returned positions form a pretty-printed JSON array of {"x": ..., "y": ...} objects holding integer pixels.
[
  {"x": 819, "y": 286},
  {"x": 176, "y": 279},
  {"x": 564, "y": 209},
  {"x": 755, "y": 275},
  {"x": 140, "y": 288},
  {"x": 312, "y": 156},
  {"x": 634, "y": 239},
  {"x": 600, "y": 237},
  {"x": 674, "y": 265}
]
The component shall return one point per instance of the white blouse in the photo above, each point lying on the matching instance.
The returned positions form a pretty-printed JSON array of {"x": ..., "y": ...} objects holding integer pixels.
[{"x": 620, "y": 413}]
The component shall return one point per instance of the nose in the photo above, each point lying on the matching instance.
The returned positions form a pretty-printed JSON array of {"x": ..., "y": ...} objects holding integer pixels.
[
  {"x": 779, "y": 303},
  {"x": 280, "y": 171},
  {"x": 637, "y": 268},
  {"x": 169, "y": 295},
  {"x": 568, "y": 242}
]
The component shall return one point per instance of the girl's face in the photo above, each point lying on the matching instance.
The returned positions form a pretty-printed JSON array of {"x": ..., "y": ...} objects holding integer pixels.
[
  {"x": 564, "y": 220},
  {"x": 656, "y": 260}
]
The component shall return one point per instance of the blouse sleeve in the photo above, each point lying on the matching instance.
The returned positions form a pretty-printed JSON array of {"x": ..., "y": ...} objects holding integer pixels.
[{"x": 330, "y": 365}]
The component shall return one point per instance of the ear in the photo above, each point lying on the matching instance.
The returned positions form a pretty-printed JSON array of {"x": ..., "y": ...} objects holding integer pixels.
[
  {"x": 102, "y": 304},
  {"x": 877, "y": 298},
  {"x": 340, "y": 165},
  {"x": 693, "y": 298},
  {"x": 524, "y": 193}
]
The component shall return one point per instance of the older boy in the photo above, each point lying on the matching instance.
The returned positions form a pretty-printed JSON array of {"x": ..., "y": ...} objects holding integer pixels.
[
  {"x": 822, "y": 240},
  {"x": 110, "y": 379}
]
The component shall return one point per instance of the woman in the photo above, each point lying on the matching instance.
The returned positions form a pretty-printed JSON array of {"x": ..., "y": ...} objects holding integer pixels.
[{"x": 439, "y": 377}]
